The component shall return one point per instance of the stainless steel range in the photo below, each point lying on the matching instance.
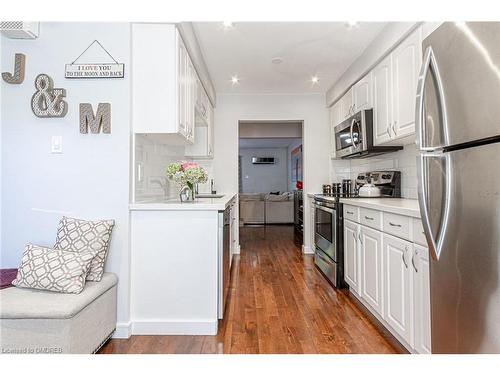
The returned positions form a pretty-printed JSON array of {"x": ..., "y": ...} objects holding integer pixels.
[
  {"x": 329, "y": 220},
  {"x": 328, "y": 238}
]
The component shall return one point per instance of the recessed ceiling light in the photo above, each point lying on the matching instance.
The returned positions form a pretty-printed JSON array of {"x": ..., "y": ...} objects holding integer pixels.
[
  {"x": 235, "y": 80},
  {"x": 352, "y": 24},
  {"x": 314, "y": 80},
  {"x": 276, "y": 60},
  {"x": 227, "y": 25}
]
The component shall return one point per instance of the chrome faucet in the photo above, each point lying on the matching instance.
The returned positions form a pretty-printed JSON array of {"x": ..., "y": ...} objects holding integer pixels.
[{"x": 162, "y": 182}]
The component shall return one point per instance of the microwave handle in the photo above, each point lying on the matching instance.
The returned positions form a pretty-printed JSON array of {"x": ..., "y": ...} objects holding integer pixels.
[{"x": 355, "y": 145}]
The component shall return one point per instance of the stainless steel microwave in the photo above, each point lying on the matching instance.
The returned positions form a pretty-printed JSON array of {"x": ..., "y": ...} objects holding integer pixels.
[{"x": 354, "y": 137}]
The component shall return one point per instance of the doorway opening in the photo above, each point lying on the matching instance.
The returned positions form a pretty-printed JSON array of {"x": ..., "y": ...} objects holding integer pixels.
[{"x": 270, "y": 174}]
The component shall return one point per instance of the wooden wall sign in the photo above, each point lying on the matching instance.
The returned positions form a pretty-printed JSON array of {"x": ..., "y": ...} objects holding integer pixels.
[
  {"x": 19, "y": 69},
  {"x": 111, "y": 69},
  {"x": 101, "y": 120},
  {"x": 48, "y": 101}
]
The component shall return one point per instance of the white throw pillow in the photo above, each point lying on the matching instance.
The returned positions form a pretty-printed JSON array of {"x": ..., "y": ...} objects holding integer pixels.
[
  {"x": 55, "y": 270},
  {"x": 82, "y": 235}
]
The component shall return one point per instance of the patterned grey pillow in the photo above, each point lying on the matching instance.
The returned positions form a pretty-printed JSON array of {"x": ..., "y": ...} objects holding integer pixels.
[
  {"x": 80, "y": 235},
  {"x": 55, "y": 270}
]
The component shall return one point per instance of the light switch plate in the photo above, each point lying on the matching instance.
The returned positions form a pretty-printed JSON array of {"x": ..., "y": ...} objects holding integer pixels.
[{"x": 56, "y": 145}]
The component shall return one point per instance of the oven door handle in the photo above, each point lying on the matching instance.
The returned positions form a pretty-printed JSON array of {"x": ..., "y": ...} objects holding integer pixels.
[{"x": 323, "y": 208}]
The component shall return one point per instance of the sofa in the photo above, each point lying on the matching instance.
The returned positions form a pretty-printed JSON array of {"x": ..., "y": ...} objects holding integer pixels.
[
  {"x": 261, "y": 208},
  {"x": 37, "y": 321}
]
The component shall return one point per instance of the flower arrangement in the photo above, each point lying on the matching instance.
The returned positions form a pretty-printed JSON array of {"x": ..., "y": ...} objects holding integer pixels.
[{"x": 186, "y": 174}]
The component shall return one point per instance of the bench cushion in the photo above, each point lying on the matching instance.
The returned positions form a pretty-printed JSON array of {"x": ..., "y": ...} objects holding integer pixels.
[{"x": 19, "y": 303}]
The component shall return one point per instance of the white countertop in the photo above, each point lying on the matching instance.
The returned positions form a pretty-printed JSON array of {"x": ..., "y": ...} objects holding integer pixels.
[
  {"x": 200, "y": 204},
  {"x": 402, "y": 206}
]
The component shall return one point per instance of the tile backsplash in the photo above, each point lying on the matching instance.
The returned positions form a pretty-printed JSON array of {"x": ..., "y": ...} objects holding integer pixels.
[
  {"x": 152, "y": 157},
  {"x": 404, "y": 161}
]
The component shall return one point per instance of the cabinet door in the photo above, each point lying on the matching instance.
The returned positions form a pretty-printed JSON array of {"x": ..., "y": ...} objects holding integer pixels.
[
  {"x": 371, "y": 266},
  {"x": 335, "y": 119},
  {"x": 347, "y": 105},
  {"x": 362, "y": 93},
  {"x": 182, "y": 79},
  {"x": 406, "y": 61},
  {"x": 421, "y": 298},
  {"x": 382, "y": 101},
  {"x": 398, "y": 286},
  {"x": 210, "y": 141},
  {"x": 351, "y": 256},
  {"x": 190, "y": 99}
]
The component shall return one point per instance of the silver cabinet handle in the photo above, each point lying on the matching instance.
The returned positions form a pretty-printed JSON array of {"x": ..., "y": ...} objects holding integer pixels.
[
  {"x": 403, "y": 256},
  {"x": 413, "y": 261},
  {"x": 354, "y": 236},
  {"x": 368, "y": 218},
  {"x": 388, "y": 131},
  {"x": 360, "y": 241},
  {"x": 394, "y": 225},
  {"x": 350, "y": 213},
  {"x": 394, "y": 127}
]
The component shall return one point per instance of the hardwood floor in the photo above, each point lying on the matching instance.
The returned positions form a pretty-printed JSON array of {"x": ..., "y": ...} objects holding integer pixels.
[{"x": 279, "y": 303}]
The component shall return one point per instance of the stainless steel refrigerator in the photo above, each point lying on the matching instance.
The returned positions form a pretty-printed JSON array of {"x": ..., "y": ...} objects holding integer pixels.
[{"x": 458, "y": 136}]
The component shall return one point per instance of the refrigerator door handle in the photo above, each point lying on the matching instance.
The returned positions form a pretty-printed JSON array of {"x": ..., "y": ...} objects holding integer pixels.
[
  {"x": 434, "y": 240},
  {"x": 429, "y": 63}
]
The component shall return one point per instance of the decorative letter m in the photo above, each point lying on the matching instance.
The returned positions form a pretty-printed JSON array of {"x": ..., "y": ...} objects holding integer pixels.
[{"x": 102, "y": 119}]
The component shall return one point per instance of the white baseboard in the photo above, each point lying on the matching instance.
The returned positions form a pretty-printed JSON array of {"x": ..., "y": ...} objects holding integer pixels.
[
  {"x": 123, "y": 330},
  {"x": 307, "y": 250},
  {"x": 237, "y": 249},
  {"x": 174, "y": 327}
]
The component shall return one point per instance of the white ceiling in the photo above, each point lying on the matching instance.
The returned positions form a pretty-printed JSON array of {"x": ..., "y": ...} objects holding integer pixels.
[
  {"x": 266, "y": 142},
  {"x": 325, "y": 49}
]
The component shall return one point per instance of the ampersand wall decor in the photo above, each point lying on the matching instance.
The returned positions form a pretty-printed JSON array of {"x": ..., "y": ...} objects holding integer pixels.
[
  {"x": 101, "y": 120},
  {"x": 19, "y": 68},
  {"x": 48, "y": 101}
]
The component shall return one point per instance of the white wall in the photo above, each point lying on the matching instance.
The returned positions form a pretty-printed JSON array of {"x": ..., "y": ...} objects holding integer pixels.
[
  {"x": 264, "y": 178},
  {"x": 316, "y": 139},
  {"x": 91, "y": 178}
]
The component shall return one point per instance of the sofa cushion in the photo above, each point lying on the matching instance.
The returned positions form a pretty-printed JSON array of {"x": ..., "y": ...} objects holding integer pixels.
[
  {"x": 56, "y": 270},
  {"x": 17, "y": 303},
  {"x": 81, "y": 235}
]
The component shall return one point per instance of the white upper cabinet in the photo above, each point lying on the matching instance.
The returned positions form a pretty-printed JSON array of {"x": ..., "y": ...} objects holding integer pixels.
[
  {"x": 347, "y": 105},
  {"x": 394, "y": 88},
  {"x": 203, "y": 126},
  {"x": 406, "y": 61},
  {"x": 382, "y": 101},
  {"x": 362, "y": 93},
  {"x": 163, "y": 83},
  {"x": 398, "y": 286}
]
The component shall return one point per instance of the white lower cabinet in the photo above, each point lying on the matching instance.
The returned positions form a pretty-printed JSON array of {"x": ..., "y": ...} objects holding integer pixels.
[
  {"x": 390, "y": 276},
  {"x": 351, "y": 256},
  {"x": 371, "y": 268},
  {"x": 421, "y": 299},
  {"x": 398, "y": 285}
]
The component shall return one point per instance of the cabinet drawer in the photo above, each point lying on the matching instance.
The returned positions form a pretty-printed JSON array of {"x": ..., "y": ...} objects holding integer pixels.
[
  {"x": 351, "y": 213},
  {"x": 397, "y": 225},
  {"x": 370, "y": 218},
  {"x": 418, "y": 233}
]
